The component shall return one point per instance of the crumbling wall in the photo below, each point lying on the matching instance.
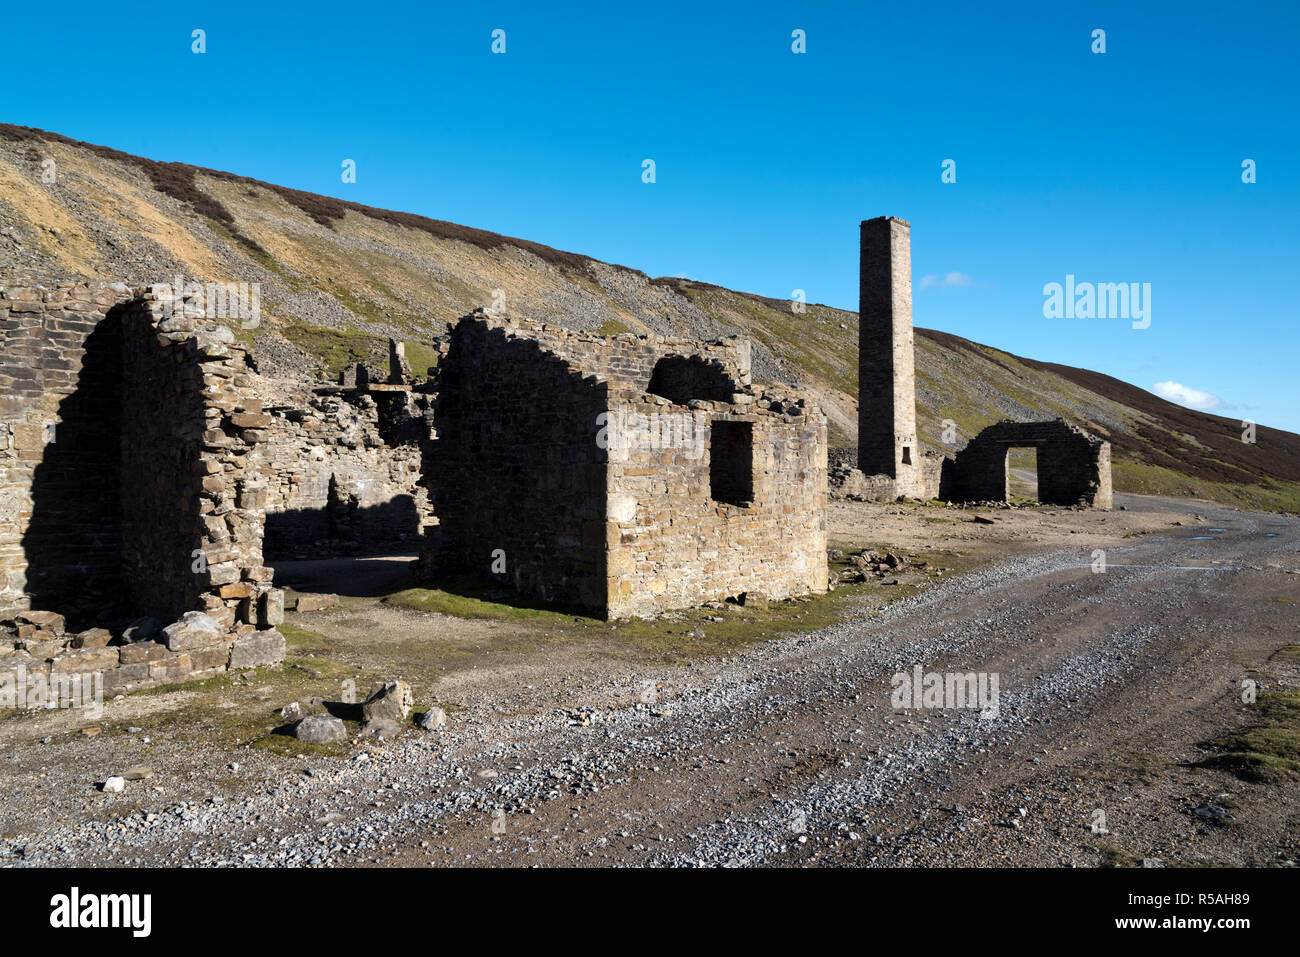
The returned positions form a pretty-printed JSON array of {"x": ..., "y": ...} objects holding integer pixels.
[
  {"x": 1073, "y": 465},
  {"x": 176, "y": 472},
  {"x": 343, "y": 471},
  {"x": 580, "y": 488},
  {"x": 516, "y": 476}
]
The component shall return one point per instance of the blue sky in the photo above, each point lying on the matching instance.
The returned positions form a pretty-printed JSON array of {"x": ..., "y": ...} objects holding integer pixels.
[{"x": 1115, "y": 167}]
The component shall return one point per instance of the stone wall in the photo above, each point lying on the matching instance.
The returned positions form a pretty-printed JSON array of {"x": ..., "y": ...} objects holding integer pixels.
[
  {"x": 157, "y": 495},
  {"x": 343, "y": 471},
  {"x": 60, "y": 372},
  {"x": 673, "y": 544},
  {"x": 1073, "y": 465},
  {"x": 517, "y": 479}
]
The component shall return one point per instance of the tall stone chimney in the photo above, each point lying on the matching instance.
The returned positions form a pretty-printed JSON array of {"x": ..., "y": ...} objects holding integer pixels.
[{"x": 886, "y": 381}]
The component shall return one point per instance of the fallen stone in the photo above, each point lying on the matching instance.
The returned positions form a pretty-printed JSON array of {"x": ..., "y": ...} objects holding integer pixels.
[
  {"x": 291, "y": 711},
  {"x": 433, "y": 718},
  {"x": 257, "y": 649},
  {"x": 142, "y": 629},
  {"x": 50, "y": 621},
  {"x": 391, "y": 700},
  {"x": 316, "y": 602},
  {"x": 380, "y": 728},
  {"x": 93, "y": 638},
  {"x": 320, "y": 729},
  {"x": 114, "y": 785},
  {"x": 194, "y": 630},
  {"x": 137, "y": 773}
]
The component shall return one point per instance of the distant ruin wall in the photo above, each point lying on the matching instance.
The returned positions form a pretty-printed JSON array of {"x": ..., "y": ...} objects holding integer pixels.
[
  {"x": 1073, "y": 466},
  {"x": 343, "y": 472}
]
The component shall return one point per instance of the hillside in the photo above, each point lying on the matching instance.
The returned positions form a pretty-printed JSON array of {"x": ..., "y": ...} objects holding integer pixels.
[{"x": 338, "y": 279}]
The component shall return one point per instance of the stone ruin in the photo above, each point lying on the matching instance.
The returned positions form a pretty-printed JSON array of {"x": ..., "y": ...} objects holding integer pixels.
[
  {"x": 130, "y": 492},
  {"x": 149, "y": 474},
  {"x": 1074, "y": 466},
  {"x": 624, "y": 474}
]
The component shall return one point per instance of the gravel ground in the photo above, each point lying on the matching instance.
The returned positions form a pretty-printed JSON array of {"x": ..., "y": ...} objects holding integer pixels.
[{"x": 790, "y": 753}]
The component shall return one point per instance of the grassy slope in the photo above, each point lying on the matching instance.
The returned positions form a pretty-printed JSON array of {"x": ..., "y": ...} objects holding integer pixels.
[{"x": 370, "y": 274}]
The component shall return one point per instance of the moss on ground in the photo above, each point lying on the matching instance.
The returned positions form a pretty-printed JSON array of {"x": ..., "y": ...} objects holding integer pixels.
[{"x": 1269, "y": 750}]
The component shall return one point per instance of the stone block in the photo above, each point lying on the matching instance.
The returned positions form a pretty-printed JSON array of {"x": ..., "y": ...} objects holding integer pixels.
[
  {"x": 141, "y": 652},
  {"x": 257, "y": 649},
  {"x": 80, "y": 662}
]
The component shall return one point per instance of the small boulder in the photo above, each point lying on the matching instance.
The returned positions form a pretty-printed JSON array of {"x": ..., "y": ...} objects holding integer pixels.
[
  {"x": 435, "y": 717},
  {"x": 316, "y": 602},
  {"x": 320, "y": 729},
  {"x": 114, "y": 785},
  {"x": 292, "y": 711},
  {"x": 391, "y": 700},
  {"x": 380, "y": 728},
  {"x": 194, "y": 630},
  {"x": 93, "y": 638}
]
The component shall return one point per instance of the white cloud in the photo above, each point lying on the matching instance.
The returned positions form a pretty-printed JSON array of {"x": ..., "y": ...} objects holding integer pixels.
[
  {"x": 1191, "y": 398},
  {"x": 952, "y": 279}
]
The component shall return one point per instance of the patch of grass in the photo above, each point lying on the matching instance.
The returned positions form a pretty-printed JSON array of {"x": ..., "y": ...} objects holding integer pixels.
[
  {"x": 611, "y": 327},
  {"x": 1112, "y": 856},
  {"x": 337, "y": 349},
  {"x": 1268, "y": 751},
  {"x": 468, "y": 597},
  {"x": 303, "y": 640},
  {"x": 421, "y": 357},
  {"x": 681, "y": 636}
]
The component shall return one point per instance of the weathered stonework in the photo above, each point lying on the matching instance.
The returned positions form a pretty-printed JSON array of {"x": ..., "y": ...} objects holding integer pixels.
[
  {"x": 129, "y": 486},
  {"x": 1073, "y": 465},
  {"x": 592, "y": 470},
  {"x": 887, "y": 441},
  {"x": 891, "y": 462},
  {"x": 342, "y": 468}
]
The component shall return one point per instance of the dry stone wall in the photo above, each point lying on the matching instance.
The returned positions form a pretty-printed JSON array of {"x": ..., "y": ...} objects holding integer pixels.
[
  {"x": 60, "y": 378},
  {"x": 674, "y": 543},
  {"x": 343, "y": 471},
  {"x": 517, "y": 478}
]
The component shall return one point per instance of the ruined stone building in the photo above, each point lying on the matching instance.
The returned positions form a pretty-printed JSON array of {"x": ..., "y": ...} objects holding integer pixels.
[
  {"x": 149, "y": 475},
  {"x": 1073, "y": 466},
  {"x": 130, "y": 491},
  {"x": 625, "y": 474}
]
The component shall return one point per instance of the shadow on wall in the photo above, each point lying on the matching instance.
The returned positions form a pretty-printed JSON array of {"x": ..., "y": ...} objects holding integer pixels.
[
  {"x": 73, "y": 543},
  {"x": 350, "y": 576},
  {"x": 342, "y": 528}
]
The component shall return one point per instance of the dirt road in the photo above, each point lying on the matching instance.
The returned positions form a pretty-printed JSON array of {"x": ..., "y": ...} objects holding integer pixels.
[{"x": 1111, "y": 670}]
